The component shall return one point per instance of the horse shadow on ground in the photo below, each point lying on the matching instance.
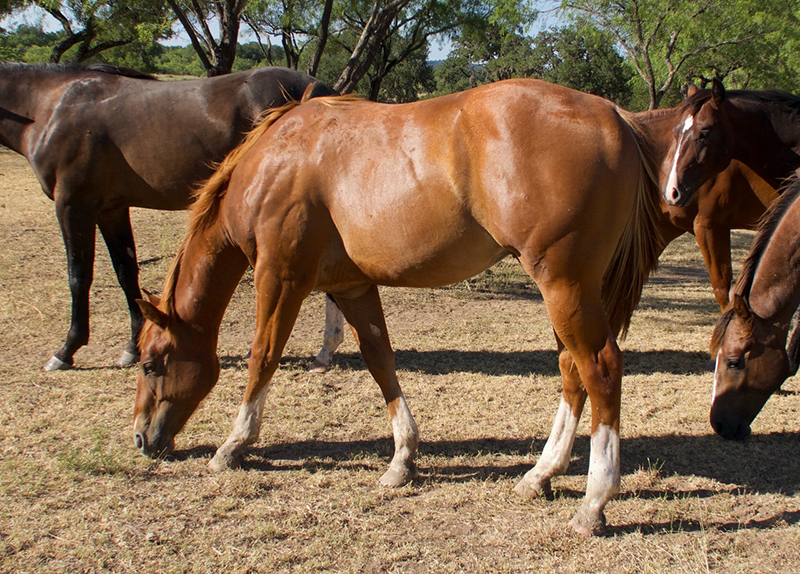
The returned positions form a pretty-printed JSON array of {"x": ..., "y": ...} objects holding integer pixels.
[
  {"x": 498, "y": 363},
  {"x": 760, "y": 464}
]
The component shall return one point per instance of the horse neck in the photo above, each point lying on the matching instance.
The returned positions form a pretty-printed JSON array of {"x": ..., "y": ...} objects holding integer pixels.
[
  {"x": 775, "y": 290},
  {"x": 766, "y": 142},
  {"x": 27, "y": 98},
  {"x": 209, "y": 271},
  {"x": 657, "y": 125}
]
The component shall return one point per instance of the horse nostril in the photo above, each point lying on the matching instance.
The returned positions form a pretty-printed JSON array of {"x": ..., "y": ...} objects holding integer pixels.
[
  {"x": 675, "y": 194},
  {"x": 139, "y": 440}
]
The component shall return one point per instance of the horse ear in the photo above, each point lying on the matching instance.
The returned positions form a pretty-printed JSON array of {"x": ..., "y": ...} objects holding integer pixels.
[
  {"x": 153, "y": 313},
  {"x": 717, "y": 92},
  {"x": 150, "y": 298},
  {"x": 691, "y": 89},
  {"x": 742, "y": 308}
]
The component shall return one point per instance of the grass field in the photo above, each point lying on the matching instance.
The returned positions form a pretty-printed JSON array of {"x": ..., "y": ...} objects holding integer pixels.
[{"x": 478, "y": 366}]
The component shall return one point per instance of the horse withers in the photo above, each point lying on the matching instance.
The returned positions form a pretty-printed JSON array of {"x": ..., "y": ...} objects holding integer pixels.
[
  {"x": 102, "y": 139},
  {"x": 343, "y": 195}
]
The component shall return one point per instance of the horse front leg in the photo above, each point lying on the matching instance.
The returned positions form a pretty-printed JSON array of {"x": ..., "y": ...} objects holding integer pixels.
[
  {"x": 118, "y": 235},
  {"x": 277, "y": 307},
  {"x": 557, "y": 451},
  {"x": 78, "y": 231},
  {"x": 332, "y": 337},
  {"x": 715, "y": 245},
  {"x": 365, "y": 316}
]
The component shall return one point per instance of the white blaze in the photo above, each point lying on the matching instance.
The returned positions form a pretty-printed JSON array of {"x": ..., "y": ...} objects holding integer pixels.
[
  {"x": 672, "y": 182},
  {"x": 716, "y": 378}
]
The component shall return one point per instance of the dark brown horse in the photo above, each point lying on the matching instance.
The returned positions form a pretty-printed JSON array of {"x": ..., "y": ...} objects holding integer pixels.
[
  {"x": 101, "y": 140},
  {"x": 343, "y": 195},
  {"x": 759, "y": 129},
  {"x": 749, "y": 340}
]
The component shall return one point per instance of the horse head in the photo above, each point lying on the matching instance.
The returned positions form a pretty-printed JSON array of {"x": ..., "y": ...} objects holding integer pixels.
[
  {"x": 701, "y": 144},
  {"x": 177, "y": 371},
  {"x": 751, "y": 364}
]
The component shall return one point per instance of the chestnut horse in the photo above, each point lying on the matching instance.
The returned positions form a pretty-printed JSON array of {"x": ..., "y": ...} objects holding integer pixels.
[
  {"x": 760, "y": 129},
  {"x": 103, "y": 139},
  {"x": 343, "y": 195},
  {"x": 749, "y": 340}
]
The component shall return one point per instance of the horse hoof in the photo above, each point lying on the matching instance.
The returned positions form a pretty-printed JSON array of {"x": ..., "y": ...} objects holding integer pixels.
[
  {"x": 394, "y": 478},
  {"x": 588, "y": 524},
  {"x": 528, "y": 490},
  {"x": 319, "y": 367},
  {"x": 56, "y": 364},
  {"x": 225, "y": 461},
  {"x": 128, "y": 358}
]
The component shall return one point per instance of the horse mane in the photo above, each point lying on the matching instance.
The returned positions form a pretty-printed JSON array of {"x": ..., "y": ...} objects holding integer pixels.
[
  {"x": 77, "y": 67},
  {"x": 773, "y": 100},
  {"x": 766, "y": 229},
  {"x": 636, "y": 255}
]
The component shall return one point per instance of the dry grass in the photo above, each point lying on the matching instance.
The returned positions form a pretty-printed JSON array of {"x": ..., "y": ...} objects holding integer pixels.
[{"x": 478, "y": 367}]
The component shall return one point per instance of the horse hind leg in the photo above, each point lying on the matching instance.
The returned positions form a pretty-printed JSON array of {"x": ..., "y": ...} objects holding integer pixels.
[
  {"x": 557, "y": 451},
  {"x": 365, "y": 316},
  {"x": 332, "y": 338},
  {"x": 277, "y": 307},
  {"x": 118, "y": 235}
]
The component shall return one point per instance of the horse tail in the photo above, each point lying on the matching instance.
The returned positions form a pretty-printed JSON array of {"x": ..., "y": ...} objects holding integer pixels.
[
  {"x": 208, "y": 198},
  {"x": 637, "y": 252}
]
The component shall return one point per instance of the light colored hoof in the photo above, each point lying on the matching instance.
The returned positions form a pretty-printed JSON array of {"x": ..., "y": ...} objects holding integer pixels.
[
  {"x": 394, "y": 478},
  {"x": 587, "y": 523},
  {"x": 128, "y": 358},
  {"x": 56, "y": 364},
  {"x": 528, "y": 490},
  {"x": 319, "y": 367},
  {"x": 225, "y": 461}
]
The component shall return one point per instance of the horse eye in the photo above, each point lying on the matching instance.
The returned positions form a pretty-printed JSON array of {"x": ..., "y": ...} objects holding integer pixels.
[
  {"x": 703, "y": 135},
  {"x": 736, "y": 364}
]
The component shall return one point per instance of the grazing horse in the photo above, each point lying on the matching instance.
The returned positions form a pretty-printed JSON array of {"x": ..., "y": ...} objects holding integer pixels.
[
  {"x": 749, "y": 339},
  {"x": 103, "y": 139},
  {"x": 343, "y": 195},
  {"x": 760, "y": 129}
]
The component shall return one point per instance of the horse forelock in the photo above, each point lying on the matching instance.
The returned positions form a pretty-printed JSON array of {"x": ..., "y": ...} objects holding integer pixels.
[
  {"x": 719, "y": 331},
  {"x": 636, "y": 255},
  {"x": 766, "y": 229}
]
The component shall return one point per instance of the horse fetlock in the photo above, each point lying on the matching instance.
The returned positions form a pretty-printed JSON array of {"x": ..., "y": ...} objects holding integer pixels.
[{"x": 588, "y": 521}]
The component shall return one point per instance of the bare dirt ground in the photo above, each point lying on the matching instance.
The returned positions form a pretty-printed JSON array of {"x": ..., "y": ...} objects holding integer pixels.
[{"x": 478, "y": 366}]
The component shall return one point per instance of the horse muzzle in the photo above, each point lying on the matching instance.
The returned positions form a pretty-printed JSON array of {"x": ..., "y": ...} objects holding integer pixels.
[
  {"x": 153, "y": 449},
  {"x": 675, "y": 197},
  {"x": 730, "y": 428}
]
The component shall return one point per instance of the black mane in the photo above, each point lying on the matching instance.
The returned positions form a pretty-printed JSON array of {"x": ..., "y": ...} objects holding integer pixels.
[{"x": 72, "y": 67}]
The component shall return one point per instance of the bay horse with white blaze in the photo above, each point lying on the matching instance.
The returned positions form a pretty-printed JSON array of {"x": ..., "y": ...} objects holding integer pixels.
[
  {"x": 749, "y": 340},
  {"x": 103, "y": 139},
  {"x": 343, "y": 195}
]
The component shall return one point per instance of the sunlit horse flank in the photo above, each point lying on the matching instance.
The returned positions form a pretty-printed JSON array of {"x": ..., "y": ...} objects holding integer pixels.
[
  {"x": 343, "y": 195},
  {"x": 102, "y": 139},
  {"x": 749, "y": 340}
]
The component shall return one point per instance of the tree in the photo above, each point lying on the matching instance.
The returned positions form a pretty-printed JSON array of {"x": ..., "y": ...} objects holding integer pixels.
[
  {"x": 584, "y": 58},
  {"x": 217, "y": 54},
  {"x": 664, "y": 38},
  {"x": 90, "y": 27}
]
